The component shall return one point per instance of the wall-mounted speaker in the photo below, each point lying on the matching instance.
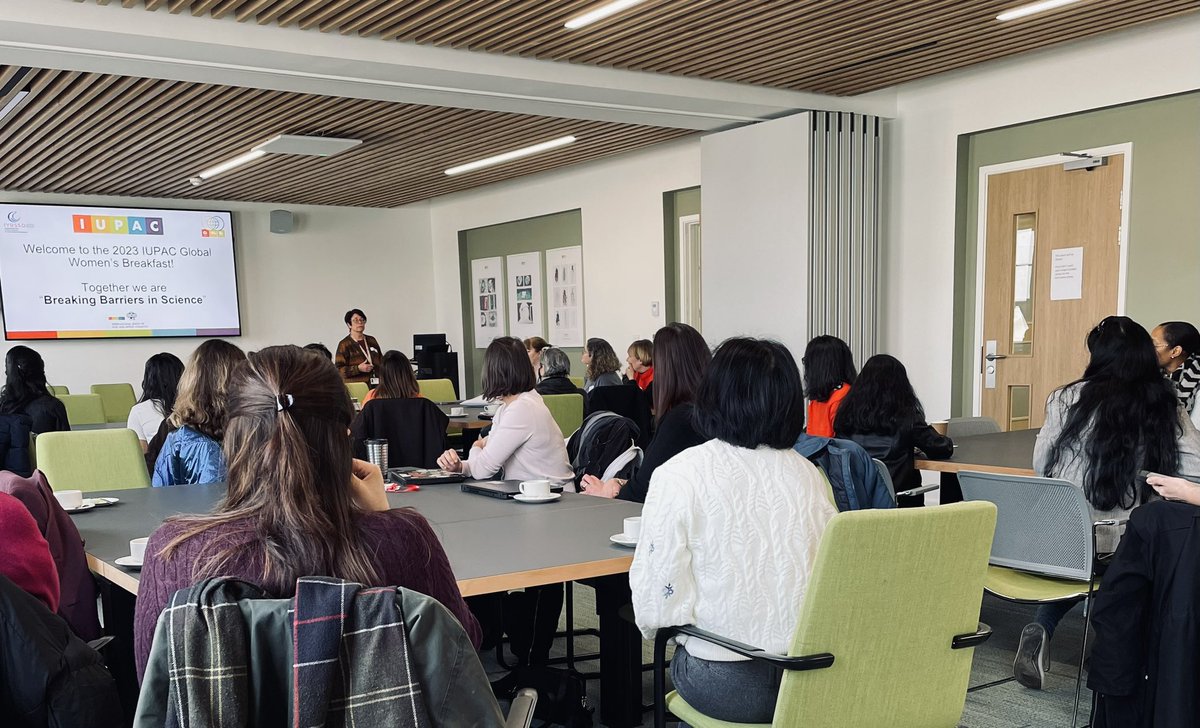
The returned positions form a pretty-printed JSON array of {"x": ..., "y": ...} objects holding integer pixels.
[{"x": 282, "y": 221}]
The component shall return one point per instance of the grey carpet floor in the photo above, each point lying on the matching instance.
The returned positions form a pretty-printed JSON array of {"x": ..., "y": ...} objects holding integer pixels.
[{"x": 1005, "y": 706}]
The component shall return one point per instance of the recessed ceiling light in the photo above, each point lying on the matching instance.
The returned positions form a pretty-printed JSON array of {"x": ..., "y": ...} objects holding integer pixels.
[
  {"x": 600, "y": 13},
  {"x": 509, "y": 156},
  {"x": 310, "y": 146},
  {"x": 1033, "y": 8},
  {"x": 13, "y": 103}
]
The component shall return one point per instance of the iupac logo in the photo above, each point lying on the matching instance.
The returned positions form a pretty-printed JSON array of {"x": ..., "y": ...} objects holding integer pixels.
[
  {"x": 214, "y": 227},
  {"x": 113, "y": 225}
]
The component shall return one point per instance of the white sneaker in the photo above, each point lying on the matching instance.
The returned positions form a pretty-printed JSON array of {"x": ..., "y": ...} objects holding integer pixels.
[{"x": 1033, "y": 657}]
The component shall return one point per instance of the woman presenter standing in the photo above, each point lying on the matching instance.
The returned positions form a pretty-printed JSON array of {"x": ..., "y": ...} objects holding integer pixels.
[{"x": 358, "y": 355}]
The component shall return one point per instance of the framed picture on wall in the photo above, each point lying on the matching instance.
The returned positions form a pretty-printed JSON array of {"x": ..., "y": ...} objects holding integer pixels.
[
  {"x": 564, "y": 282},
  {"x": 525, "y": 304},
  {"x": 487, "y": 275}
]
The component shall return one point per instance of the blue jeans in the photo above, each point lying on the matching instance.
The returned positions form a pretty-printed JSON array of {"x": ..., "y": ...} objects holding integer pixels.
[{"x": 742, "y": 692}]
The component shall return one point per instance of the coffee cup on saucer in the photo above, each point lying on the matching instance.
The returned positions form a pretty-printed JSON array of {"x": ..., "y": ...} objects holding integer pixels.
[
  {"x": 69, "y": 499},
  {"x": 491, "y": 409},
  {"x": 137, "y": 548},
  {"x": 633, "y": 528},
  {"x": 457, "y": 411},
  {"x": 535, "y": 488}
]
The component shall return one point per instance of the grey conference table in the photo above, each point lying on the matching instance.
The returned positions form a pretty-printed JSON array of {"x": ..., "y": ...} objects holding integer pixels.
[
  {"x": 1007, "y": 453},
  {"x": 493, "y": 545}
]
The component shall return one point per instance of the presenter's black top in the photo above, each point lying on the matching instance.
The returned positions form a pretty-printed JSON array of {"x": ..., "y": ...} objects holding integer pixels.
[
  {"x": 351, "y": 353},
  {"x": 48, "y": 413}
]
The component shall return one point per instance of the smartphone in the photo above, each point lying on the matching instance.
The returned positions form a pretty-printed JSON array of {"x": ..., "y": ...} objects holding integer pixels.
[{"x": 1143, "y": 474}]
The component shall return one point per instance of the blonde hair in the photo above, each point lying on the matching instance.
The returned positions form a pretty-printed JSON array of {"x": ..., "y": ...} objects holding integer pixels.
[
  {"x": 204, "y": 388},
  {"x": 643, "y": 351}
]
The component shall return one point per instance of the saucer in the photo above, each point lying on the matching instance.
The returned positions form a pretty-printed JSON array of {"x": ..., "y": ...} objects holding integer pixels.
[
  {"x": 87, "y": 506},
  {"x": 101, "y": 502},
  {"x": 128, "y": 562},
  {"x": 621, "y": 539},
  {"x": 537, "y": 498}
]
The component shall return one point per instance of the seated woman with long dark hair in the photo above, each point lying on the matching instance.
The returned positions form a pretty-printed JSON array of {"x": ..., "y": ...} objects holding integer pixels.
[
  {"x": 26, "y": 392},
  {"x": 1120, "y": 417},
  {"x": 883, "y": 415},
  {"x": 828, "y": 373},
  {"x": 681, "y": 356},
  {"x": 730, "y": 532},
  {"x": 396, "y": 379},
  {"x": 297, "y": 503},
  {"x": 414, "y": 427},
  {"x": 160, "y": 386},
  {"x": 601, "y": 364}
]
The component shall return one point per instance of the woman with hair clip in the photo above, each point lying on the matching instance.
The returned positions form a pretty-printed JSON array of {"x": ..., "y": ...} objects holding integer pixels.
[
  {"x": 160, "y": 385},
  {"x": 1119, "y": 418},
  {"x": 26, "y": 393},
  {"x": 828, "y": 373},
  {"x": 191, "y": 452},
  {"x": 683, "y": 357},
  {"x": 1177, "y": 346},
  {"x": 601, "y": 365},
  {"x": 883, "y": 415},
  {"x": 396, "y": 379},
  {"x": 297, "y": 503}
]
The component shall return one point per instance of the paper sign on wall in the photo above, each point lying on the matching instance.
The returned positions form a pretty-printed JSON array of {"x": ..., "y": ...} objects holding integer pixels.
[
  {"x": 487, "y": 277},
  {"x": 564, "y": 279},
  {"x": 525, "y": 304},
  {"x": 1066, "y": 274}
]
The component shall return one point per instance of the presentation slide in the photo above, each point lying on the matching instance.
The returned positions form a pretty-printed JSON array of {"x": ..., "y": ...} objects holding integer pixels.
[{"x": 71, "y": 272}]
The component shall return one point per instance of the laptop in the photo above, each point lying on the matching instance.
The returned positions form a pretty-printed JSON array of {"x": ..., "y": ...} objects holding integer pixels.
[
  {"x": 500, "y": 488},
  {"x": 423, "y": 476}
]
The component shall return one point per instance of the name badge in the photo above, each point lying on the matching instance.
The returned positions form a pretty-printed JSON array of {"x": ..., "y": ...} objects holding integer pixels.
[{"x": 374, "y": 381}]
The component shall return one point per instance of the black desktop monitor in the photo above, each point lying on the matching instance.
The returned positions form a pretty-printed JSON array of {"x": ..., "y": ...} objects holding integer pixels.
[{"x": 429, "y": 343}]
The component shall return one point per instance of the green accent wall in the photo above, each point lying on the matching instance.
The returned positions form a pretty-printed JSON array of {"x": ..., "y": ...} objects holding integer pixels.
[
  {"x": 1163, "y": 270},
  {"x": 677, "y": 204},
  {"x": 557, "y": 230}
]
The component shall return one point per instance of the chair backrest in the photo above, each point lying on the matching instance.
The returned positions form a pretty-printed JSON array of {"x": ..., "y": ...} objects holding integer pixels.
[
  {"x": 967, "y": 426},
  {"x": 627, "y": 401},
  {"x": 1044, "y": 524},
  {"x": 358, "y": 390},
  {"x": 84, "y": 409},
  {"x": 414, "y": 428},
  {"x": 889, "y": 591},
  {"x": 577, "y": 381},
  {"x": 57, "y": 389},
  {"x": 567, "y": 410},
  {"x": 437, "y": 390},
  {"x": 886, "y": 475},
  {"x": 118, "y": 400},
  {"x": 92, "y": 460}
]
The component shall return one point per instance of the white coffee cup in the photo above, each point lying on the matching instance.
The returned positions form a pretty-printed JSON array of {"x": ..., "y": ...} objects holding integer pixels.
[
  {"x": 535, "y": 488},
  {"x": 69, "y": 499},
  {"x": 457, "y": 411},
  {"x": 492, "y": 409},
  {"x": 137, "y": 548},
  {"x": 633, "y": 527}
]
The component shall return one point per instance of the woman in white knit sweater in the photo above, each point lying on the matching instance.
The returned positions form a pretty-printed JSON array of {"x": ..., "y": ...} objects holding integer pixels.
[{"x": 730, "y": 531}]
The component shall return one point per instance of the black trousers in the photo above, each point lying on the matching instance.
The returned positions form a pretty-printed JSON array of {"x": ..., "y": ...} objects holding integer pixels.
[{"x": 529, "y": 618}]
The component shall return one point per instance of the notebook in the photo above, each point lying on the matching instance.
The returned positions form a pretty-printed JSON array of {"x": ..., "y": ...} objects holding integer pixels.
[
  {"x": 421, "y": 476},
  {"x": 499, "y": 488}
]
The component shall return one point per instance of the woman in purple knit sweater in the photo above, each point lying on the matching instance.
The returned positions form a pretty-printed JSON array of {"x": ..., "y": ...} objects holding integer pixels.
[{"x": 297, "y": 503}]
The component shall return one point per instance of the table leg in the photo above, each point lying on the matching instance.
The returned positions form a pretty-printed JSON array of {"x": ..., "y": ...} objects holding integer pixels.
[
  {"x": 950, "y": 491},
  {"x": 118, "y": 655},
  {"x": 620, "y": 655}
]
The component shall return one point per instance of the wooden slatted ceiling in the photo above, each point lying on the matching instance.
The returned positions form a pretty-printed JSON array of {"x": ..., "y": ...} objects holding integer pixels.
[
  {"x": 826, "y": 46},
  {"x": 99, "y": 134}
]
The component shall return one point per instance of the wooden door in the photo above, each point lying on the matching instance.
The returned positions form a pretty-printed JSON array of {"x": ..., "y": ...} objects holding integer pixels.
[{"x": 1045, "y": 223}]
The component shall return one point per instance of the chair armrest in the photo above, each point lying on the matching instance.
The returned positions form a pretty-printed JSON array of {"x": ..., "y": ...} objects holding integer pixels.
[
  {"x": 919, "y": 491},
  {"x": 804, "y": 662},
  {"x": 971, "y": 639},
  {"x": 1110, "y": 522},
  {"x": 520, "y": 714},
  {"x": 100, "y": 643}
]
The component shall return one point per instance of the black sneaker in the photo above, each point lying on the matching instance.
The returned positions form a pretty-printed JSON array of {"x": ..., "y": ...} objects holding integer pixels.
[{"x": 1033, "y": 657}]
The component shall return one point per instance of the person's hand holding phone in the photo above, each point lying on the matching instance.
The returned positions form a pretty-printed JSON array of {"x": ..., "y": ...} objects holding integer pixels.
[
  {"x": 1176, "y": 489},
  {"x": 450, "y": 461},
  {"x": 366, "y": 481}
]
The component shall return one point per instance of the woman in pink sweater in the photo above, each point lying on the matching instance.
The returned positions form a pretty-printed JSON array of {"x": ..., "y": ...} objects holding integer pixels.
[{"x": 297, "y": 503}]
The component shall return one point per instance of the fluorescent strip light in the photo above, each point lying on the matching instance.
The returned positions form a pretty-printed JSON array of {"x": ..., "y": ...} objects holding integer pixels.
[
  {"x": 1033, "y": 8},
  {"x": 509, "y": 156},
  {"x": 600, "y": 13},
  {"x": 12, "y": 104},
  {"x": 226, "y": 166}
]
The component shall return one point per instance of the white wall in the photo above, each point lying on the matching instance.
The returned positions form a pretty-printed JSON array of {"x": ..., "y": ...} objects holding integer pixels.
[
  {"x": 293, "y": 289},
  {"x": 621, "y": 200},
  {"x": 754, "y": 207},
  {"x": 1154, "y": 60}
]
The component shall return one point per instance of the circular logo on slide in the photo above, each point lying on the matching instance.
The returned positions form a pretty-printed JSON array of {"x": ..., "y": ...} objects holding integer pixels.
[
  {"x": 14, "y": 217},
  {"x": 215, "y": 222},
  {"x": 131, "y": 316}
]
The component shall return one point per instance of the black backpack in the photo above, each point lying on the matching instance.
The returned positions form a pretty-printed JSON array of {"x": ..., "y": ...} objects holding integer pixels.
[
  {"x": 562, "y": 697},
  {"x": 604, "y": 446}
]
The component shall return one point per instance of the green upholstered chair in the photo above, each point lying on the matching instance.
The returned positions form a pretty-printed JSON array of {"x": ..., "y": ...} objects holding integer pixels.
[
  {"x": 92, "y": 460},
  {"x": 577, "y": 381},
  {"x": 56, "y": 390},
  {"x": 567, "y": 410},
  {"x": 118, "y": 400},
  {"x": 1045, "y": 545},
  {"x": 857, "y": 660},
  {"x": 437, "y": 390},
  {"x": 84, "y": 409},
  {"x": 357, "y": 390}
]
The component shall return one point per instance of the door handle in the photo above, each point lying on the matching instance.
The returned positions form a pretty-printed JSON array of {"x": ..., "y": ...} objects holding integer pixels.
[{"x": 994, "y": 357}]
